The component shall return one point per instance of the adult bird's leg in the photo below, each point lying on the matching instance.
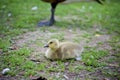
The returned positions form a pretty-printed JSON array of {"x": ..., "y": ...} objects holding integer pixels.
[
  {"x": 100, "y": 1},
  {"x": 52, "y": 19}
]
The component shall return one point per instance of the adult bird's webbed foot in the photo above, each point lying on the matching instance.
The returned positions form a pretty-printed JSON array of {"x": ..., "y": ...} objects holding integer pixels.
[
  {"x": 45, "y": 23},
  {"x": 52, "y": 19}
]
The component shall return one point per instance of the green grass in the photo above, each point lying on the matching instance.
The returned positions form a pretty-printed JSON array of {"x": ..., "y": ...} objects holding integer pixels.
[
  {"x": 14, "y": 59},
  {"x": 91, "y": 57},
  {"x": 59, "y": 36},
  {"x": 4, "y": 44},
  {"x": 83, "y": 16}
]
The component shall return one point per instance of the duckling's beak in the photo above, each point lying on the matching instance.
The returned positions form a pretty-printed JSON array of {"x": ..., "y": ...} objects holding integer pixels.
[{"x": 45, "y": 46}]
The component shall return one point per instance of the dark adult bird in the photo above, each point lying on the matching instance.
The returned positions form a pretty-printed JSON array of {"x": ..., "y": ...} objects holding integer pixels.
[{"x": 54, "y": 4}]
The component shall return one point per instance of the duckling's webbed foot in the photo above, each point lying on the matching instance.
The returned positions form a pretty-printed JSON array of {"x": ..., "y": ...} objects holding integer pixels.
[{"x": 78, "y": 58}]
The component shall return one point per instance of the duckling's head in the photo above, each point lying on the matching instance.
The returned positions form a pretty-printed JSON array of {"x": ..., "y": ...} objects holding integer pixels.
[{"x": 53, "y": 44}]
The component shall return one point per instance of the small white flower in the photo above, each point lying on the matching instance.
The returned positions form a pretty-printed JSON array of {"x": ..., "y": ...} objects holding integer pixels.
[
  {"x": 9, "y": 14},
  {"x": 66, "y": 77},
  {"x": 34, "y": 8},
  {"x": 5, "y": 70}
]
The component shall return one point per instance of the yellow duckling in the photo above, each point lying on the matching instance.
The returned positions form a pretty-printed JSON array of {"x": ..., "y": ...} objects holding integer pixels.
[{"x": 62, "y": 50}]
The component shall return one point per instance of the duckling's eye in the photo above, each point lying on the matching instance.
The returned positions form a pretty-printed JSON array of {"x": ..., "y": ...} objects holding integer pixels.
[{"x": 51, "y": 42}]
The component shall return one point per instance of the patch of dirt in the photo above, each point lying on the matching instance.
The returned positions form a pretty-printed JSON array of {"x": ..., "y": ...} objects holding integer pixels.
[{"x": 35, "y": 40}]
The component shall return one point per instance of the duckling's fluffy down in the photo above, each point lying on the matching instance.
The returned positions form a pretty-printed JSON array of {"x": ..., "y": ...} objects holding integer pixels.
[{"x": 62, "y": 50}]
